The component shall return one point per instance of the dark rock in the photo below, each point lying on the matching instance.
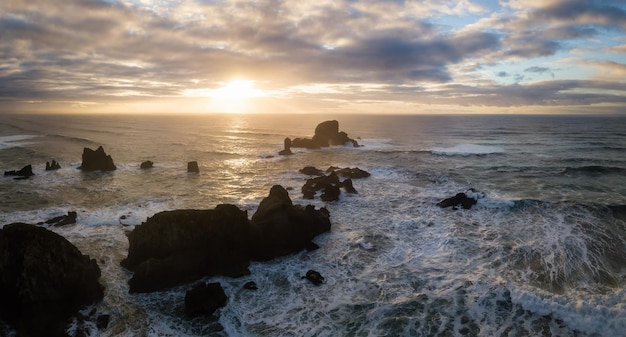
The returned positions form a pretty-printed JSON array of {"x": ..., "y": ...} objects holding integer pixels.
[
  {"x": 311, "y": 171},
  {"x": 461, "y": 199},
  {"x": 181, "y": 246},
  {"x": 96, "y": 160},
  {"x": 330, "y": 193},
  {"x": 102, "y": 322},
  {"x": 204, "y": 299},
  {"x": 326, "y": 131},
  {"x": 52, "y": 166},
  {"x": 347, "y": 185},
  {"x": 354, "y": 173},
  {"x": 23, "y": 173},
  {"x": 192, "y": 167},
  {"x": 251, "y": 285},
  {"x": 287, "y": 148},
  {"x": 311, "y": 246},
  {"x": 314, "y": 277},
  {"x": 63, "y": 220},
  {"x": 44, "y": 280},
  {"x": 326, "y": 134},
  {"x": 146, "y": 165}
]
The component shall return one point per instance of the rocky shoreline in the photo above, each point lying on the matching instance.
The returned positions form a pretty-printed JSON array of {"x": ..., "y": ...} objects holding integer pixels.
[{"x": 46, "y": 280}]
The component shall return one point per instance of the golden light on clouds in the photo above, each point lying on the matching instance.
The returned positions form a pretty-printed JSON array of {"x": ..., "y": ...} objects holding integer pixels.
[{"x": 235, "y": 96}]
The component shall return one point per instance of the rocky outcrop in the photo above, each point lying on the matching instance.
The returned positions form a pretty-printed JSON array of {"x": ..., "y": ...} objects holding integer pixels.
[
  {"x": 286, "y": 151},
  {"x": 460, "y": 199},
  {"x": 146, "y": 165},
  {"x": 314, "y": 277},
  {"x": 176, "y": 247},
  {"x": 23, "y": 173},
  {"x": 63, "y": 220},
  {"x": 96, "y": 160},
  {"x": 204, "y": 299},
  {"x": 192, "y": 167},
  {"x": 330, "y": 184},
  {"x": 326, "y": 134},
  {"x": 52, "y": 166},
  {"x": 44, "y": 280}
]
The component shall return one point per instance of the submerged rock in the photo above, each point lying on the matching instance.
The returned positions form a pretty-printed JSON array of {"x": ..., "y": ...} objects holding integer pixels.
[
  {"x": 314, "y": 277},
  {"x": 63, "y": 220},
  {"x": 460, "y": 199},
  {"x": 176, "y": 247},
  {"x": 23, "y": 173},
  {"x": 44, "y": 280},
  {"x": 96, "y": 160},
  {"x": 146, "y": 165}
]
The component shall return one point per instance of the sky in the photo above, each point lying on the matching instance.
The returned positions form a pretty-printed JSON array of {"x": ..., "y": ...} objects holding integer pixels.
[{"x": 322, "y": 56}]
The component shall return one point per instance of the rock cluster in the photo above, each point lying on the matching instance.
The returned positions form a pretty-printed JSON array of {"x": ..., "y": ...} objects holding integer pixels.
[
  {"x": 52, "y": 166},
  {"x": 326, "y": 134},
  {"x": 23, "y": 173},
  {"x": 330, "y": 184},
  {"x": 176, "y": 247},
  {"x": 44, "y": 280},
  {"x": 96, "y": 160}
]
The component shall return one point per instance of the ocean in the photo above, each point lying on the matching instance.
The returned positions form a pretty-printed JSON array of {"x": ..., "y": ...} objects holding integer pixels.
[{"x": 543, "y": 253}]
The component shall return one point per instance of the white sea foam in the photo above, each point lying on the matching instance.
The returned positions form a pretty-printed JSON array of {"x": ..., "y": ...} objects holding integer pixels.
[
  {"x": 7, "y": 142},
  {"x": 467, "y": 150}
]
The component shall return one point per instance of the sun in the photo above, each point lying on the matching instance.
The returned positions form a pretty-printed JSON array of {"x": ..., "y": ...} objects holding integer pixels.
[{"x": 235, "y": 96}]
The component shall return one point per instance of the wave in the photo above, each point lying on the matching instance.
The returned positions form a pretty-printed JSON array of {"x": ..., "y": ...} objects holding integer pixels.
[
  {"x": 467, "y": 150},
  {"x": 595, "y": 170},
  {"x": 7, "y": 142}
]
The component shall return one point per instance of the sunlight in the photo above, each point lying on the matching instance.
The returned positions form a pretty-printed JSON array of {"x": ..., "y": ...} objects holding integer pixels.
[{"x": 230, "y": 97}]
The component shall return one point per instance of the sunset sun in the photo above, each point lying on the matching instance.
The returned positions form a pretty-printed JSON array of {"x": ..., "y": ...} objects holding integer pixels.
[{"x": 235, "y": 96}]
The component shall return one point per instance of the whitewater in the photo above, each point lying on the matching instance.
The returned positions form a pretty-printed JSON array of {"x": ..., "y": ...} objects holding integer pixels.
[{"x": 542, "y": 253}]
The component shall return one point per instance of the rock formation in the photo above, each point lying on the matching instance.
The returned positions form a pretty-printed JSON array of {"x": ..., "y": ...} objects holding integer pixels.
[
  {"x": 96, "y": 160},
  {"x": 330, "y": 185},
  {"x": 52, "y": 166},
  {"x": 24, "y": 173},
  {"x": 204, "y": 299},
  {"x": 146, "y": 165},
  {"x": 63, "y": 220},
  {"x": 44, "y": 280},
  {"x": 287, "y": 148},
  {"x": 192, "y": 167},
  {"x": 326, "y": 134},
  {"x": 460, "y": 199},
  {"x": 176, "y": 247},
  {"x": 314, "y": 277}
]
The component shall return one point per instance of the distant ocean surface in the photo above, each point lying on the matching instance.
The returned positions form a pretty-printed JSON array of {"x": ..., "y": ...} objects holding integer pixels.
[{"x": 543, "y": 253}]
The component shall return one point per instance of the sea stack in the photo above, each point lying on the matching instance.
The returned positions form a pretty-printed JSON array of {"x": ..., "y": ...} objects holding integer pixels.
[
  {"x": 192, "y": 167},
  {"x": 96, "y": 160}
]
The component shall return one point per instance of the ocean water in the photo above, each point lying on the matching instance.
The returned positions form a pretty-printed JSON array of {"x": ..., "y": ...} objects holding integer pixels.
[{"x": 543, "y": 253}]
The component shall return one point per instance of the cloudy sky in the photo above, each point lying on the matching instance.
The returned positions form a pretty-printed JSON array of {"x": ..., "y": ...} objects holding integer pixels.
[{"x": 361, "y": 56}]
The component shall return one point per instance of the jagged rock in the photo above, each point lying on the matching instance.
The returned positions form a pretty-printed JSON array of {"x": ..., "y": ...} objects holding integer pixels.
[
  {"x": 63, "y": 220},
  {"x": 204, "y": 299},
  {"x": 330, "y": 193},
  {"x": 192, "y": 167},
  {"x": 44, "y": 280},
  {"x": 311, "y": 171},
  {"x": 23, "y": 173},
  {"x": 287, "y": 148},
  {"x": 314, "y": 277},
  {"x": 460, "y": 199},
  {"x": 96, "y": 160},
  {"x": 181, "y": 246},
  {"x": 347, "y": 185},
  {"x": 52, "y": 166},
  {"x": 313, "y": 185},
  {"x": 146, "y": 165}
]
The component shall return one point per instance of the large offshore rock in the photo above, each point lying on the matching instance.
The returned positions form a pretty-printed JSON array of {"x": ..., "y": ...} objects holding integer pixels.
[
  {"x": 96, "y": 160},
  {"x": 44, "y": 280},
  {"x": 181, "y": 246},
  {"x": 326, "y": 134}
]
